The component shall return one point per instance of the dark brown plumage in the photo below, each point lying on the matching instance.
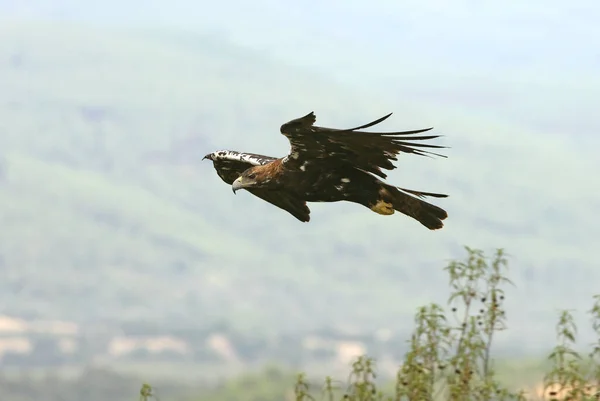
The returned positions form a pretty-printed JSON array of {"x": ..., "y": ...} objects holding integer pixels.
[{"x": 331, "y": 165}]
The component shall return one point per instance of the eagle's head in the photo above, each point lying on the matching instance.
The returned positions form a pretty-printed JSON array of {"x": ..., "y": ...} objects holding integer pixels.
[
  {"x": 254, "y": 177},
  {"x": 249, "y": 178}
]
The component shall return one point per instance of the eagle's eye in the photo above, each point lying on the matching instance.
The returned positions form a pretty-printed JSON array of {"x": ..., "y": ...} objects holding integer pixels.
[{"x": 252, "y": 176}]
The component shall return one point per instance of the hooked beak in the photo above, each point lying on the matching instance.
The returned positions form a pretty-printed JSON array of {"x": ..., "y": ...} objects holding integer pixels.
[{"x": 237, "y": 184}]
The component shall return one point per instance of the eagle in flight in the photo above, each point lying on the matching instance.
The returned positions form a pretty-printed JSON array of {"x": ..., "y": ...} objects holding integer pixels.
[{"x": 331, "y": 165}]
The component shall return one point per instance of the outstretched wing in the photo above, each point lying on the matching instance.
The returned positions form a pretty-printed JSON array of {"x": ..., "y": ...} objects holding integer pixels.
[
  {"x": 230, "y": 164},
  {"x": 284, "y": 200},
  {"x": 368, "y": 151}
]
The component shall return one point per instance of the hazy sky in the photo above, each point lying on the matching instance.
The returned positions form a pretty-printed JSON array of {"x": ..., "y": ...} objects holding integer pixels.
[
  {"x": 383, "y": 43},
  {"x": 461, "y": 34}
]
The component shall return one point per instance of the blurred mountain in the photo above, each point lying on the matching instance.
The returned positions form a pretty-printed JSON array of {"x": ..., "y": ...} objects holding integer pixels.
[{"x": 108, "y": 213}]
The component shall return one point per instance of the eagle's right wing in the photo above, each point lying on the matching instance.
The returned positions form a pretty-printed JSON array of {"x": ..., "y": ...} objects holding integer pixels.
[{"x": 367, "y": 151}]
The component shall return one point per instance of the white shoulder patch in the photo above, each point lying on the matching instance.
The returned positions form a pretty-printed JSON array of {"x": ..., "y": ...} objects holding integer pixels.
[
  {"x": 232, "y": 155},
  {"x": 293, "y": 155}
]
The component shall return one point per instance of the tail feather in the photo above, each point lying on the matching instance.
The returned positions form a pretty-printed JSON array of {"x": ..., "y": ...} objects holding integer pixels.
[
  {"x": 429, "y": 215},
  {"x": 422, "y": 194}
]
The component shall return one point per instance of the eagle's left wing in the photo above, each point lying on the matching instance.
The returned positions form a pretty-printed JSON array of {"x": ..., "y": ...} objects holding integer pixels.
[
  {"x": 230, "y": 164},
  {"x": 368, "y": 151},
  {"x": 284, "y": 200}
]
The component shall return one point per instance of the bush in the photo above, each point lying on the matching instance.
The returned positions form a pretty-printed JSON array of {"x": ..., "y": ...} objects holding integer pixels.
[{"x": 451, "y": 359}]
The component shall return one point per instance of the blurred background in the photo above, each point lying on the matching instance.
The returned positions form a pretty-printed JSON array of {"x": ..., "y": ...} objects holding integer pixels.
[{"x": 124, "y": 257}]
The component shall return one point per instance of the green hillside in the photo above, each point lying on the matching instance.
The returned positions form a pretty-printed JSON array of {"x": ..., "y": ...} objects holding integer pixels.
[{"x": 108, "y": 212}]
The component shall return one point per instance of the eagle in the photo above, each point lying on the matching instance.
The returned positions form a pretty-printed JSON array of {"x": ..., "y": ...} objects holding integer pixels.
[{"x": 332, "y": 165}]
